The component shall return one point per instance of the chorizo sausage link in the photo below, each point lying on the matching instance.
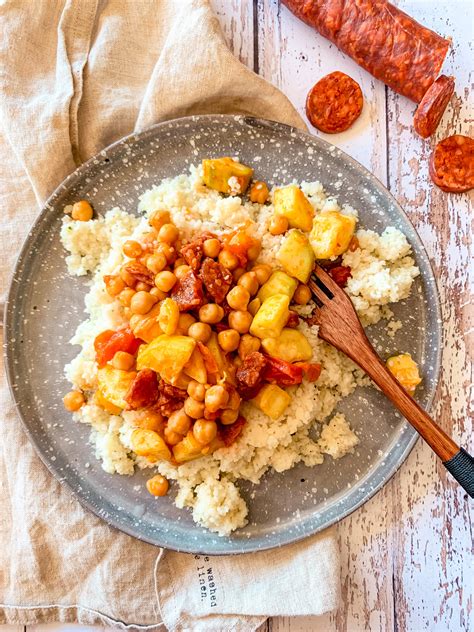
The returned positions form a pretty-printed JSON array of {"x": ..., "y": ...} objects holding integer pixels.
[{"x": 385, "y": 41}]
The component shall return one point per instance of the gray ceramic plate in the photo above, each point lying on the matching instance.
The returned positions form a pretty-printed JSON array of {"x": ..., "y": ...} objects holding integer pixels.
[{"x": 45, "y": 306}]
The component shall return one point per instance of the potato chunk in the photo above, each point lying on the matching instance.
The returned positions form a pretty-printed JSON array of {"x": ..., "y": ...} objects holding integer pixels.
[
  {"x": 405, "y": 369},
  {"x": 166, "y": 355},
  {"x": 113, "y": 386},
  {"x": 296, "y": 255},
  {"x": 272, "y": 400},
  {"x": 293, "y": 204},
  {"x": 278, "y": 283},
  {"x": 187, "y": 449},
  {"x": 195, "y": 367},
  {"x": 272, "y": 316},
  {"x": 331, "y": 234},
  {"x": 149, "y": 443},
  {"x": 291, "y": 345},
  {"x": 226, "y": 175},
  {"x": 146, "y": 326}
]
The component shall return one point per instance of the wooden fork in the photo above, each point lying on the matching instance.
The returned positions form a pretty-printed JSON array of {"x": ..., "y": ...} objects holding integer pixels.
[{"x": 339, "y": 325}]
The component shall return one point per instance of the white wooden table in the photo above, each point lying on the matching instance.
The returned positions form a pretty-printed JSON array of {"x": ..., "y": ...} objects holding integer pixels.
[{"x": 406, "y": 554}]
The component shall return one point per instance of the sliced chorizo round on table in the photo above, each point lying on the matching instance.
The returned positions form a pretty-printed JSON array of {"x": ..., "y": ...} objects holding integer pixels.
[
  {"x": 452, "y": 164},
  {"x": 334, "y": 103},
  {"x": 432, "y": 106}
]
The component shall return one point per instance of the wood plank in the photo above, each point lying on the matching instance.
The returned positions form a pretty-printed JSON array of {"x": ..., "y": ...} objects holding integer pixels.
[
  {"x": 432, "y": 540},
  {"x": 236, "y": 18},
  {"x": 294, "y": 57}
]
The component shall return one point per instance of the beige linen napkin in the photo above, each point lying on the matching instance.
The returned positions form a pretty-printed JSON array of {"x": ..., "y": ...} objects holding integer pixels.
[{"x": 75, "y": 76}]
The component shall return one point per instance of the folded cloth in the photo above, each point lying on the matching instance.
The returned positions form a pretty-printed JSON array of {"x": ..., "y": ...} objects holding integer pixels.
[{"x": 75, "y": 76}]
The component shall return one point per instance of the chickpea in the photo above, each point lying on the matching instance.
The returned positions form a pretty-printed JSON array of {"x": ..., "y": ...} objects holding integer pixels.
[
  {"x": 152, "y": 420},
  {"x": 184, "y": 323},
  {"x": 250, "y": 282},
  {"x": 73, "y": 401},
  {"x": 82, "y": 211},
  {"x": 168, "y": 317},
  {"x": 142, "y": 302},
  {"x": 278, "y": 225},
  {"x": 259, "y": 192},
  {"x": 237, "y": 273},
  {"x": 229, "y": 416},
  {"x": 123, "y": 361},
  {"x": 196, "y": 391},
  {"x": 254, "y": 250},
  {"x": 200, "y": 332},
  {"x": 228, "y": 260},
  {"x": 127, "y": 277},
  {"x": 216, "y": 397},
  {"x": 179, "y": 262},
  {"x": 125, "y": 296},
  {"x": 234, "y": 400},
  {"x": 248, "y": 344},
  {"x": 158, "y": 294},
  {"x": 254, "y": 306},
  {"x": 150, "y": 239},
  {"x": 179, "y": 422},
  {"x": 158, "y": 218},
  {"x": 211, "y": 313},
  {"x": 141, "y": 286},
  {"x": 229, "y": 340},
  {"x": 193, "y": 408},
  {"x": 168, "y": 233},
  {"x": 238, "y": 297},
  {"x": 181, "y": 271},
  {"x": 158, "y": 485},
  {"x": 113, "y": 284},
  {"x": 240, "y": 321},
  {"x": 204, "y": 431},
  {"x": 302, "y": 294},
  {"x": 171, "y": 437},
  {"x": 165, "y": 280},
  {"x": 132, "y": 249},
  {"x": 263, "y": 272},
  {"x": 212, "y": 248},
  {"x": 156, "y": 262},
  {"x": 168, "y": 251}
]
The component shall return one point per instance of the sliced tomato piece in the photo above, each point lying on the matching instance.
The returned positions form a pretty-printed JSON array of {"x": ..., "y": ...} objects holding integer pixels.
[
  {"x": 340, "y": 274},
  {"x": 312, "y": 370},
  {"x": 109, "y": 342},
  {"x": 282, "y": 372},
  {"x": 239, "y": 242}
]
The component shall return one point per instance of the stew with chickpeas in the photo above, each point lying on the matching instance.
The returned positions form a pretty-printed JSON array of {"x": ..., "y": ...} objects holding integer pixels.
[{"x": 207, "y": 329}]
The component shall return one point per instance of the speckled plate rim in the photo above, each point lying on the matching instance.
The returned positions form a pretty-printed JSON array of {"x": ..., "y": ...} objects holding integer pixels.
[{"x": 334, "y": 510}]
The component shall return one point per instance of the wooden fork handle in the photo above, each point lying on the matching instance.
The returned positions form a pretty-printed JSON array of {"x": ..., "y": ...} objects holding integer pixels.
[{"x": 456, "y": 460}]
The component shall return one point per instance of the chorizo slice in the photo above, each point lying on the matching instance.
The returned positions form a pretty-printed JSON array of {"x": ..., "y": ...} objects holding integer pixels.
[
  {"x": 432, "y": 106},
  {"x": 334, "y": 103},
  {"x": 170, "y": 399},
  {"x": 187, "y": 292},
  {"x": 452, "y": 164},
  {"x": 249, "y": 375},
  {"x": 382, "y": 39},
  {"x": 230, "y": 434},
  {"x": 143, "y": 391},
  {"x": 217, "y": 279},
  {"x": 193, "y": 252}
]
